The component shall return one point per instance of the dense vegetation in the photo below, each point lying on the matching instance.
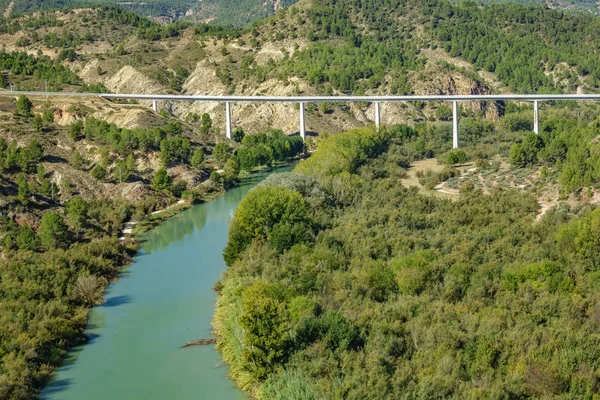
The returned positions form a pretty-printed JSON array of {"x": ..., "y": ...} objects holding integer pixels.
[
  {"x": 174, "y": 8},
  {"x": 539, "y": 39},
  {"x": 571, "y": 5},
  {"x": 345, "y": 284},
  {"x": 241, "y": 13},
  {"x": 59, "y": 241},
  {"x": 373, "y": 46},
  {"x": 58, "y": 259},
  {"x": 567, "y": 145},
  {"x": 265, "y": 148},
  {"x": 237, "y": 13}
]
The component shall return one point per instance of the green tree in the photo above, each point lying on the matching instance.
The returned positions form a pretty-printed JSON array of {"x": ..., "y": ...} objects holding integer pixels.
[
  {"x": 456, "y": 157},
  {"x": 24, "y": 106},
  {"x": 265, "y": 320},
  {"x": 76, "y": 130},
  {"x": 443, "y": 113},
  {"x": 67, "y": 188},
  {"x": 23, "y": 190},
  {"x": 40, "y": 171},
  {"x": 98, "y": 172},
  {"x": 53, "y": 231},
  {"x": 131, "y": 164},
  {"x": 526, "y": 153},
  {"x": 205, "y": 124},
  {"x": 221, "y": 153},
  {"x": 30, "y": 155},
  {"x": 161, "y": 180},
  {"x": 121, "y": 172},
  {"x": 197, "y": 160},
  {"x": 38, "y": 123},
  {"x": 238, "y": 134},
  {"x": 77, "y": 211},
  {"x": 26, "y": 238},
  {"x": 78, "y": 161},
  {"x": 264, "y": 210},
  {"x": 48, "y": 116}
]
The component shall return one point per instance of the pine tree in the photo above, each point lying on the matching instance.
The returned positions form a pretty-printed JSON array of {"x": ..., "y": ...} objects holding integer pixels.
[
  {"x": 23, "y": 190},
  {"x": 24, "y": 106},
  {"x": 198, "y": 159},
  {"x": 53, "y": 231},
  {"x": 161, "y": 180}
]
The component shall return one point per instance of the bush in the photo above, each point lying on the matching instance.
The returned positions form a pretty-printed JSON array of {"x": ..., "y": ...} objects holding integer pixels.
[
  {"x": 161, "y": 180},
  {"x": 99, "y": 172},
  {"x": 53, "y": 231},
  {"x": 267, "y": 212},
  {"x": 456, "y": 157},
  {"x": 24, "y": 106}
]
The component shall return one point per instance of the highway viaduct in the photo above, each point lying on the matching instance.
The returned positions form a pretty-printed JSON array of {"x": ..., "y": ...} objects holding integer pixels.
[{"x": 302, "y": 100}]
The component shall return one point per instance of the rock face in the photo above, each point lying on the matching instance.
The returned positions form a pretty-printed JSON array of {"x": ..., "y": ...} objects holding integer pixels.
[
  {"x": 130, "y": 80},
  {"x": 438, "y": 80},
  {"x": 435, "y": 78}
]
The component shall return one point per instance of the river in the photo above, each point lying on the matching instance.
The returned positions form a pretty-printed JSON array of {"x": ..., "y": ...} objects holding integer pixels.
[{"x": 163, "y": 300}]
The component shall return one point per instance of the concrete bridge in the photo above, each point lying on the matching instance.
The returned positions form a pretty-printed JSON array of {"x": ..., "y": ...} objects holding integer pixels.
[{"x": 302, "y": 100}]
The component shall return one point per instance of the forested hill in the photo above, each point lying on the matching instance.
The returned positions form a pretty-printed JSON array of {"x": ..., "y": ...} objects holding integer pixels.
[
  {"x": 320, "y": 47},
  {"x": 530, "y": 49},
  {"x": 571, "y": 5},
  {"x": 238, "y": 13}
]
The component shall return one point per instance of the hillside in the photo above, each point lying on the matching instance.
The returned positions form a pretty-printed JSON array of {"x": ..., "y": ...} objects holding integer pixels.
[
  {"x": 73, "y": 171},
  {"x": 316, "y": 49},
  {"x": 370, "y": 289},
  {"x": 569, "y": 5},
  {"x": 237, "y": 13}
]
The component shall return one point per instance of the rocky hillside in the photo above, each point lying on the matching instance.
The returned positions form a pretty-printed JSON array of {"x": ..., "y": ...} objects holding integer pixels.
[
  {"x": 238, "y": 13},
  {"x": 195, "y": 62},
  {"x": 569, "y": 5},
  {"x": 314, "y": 47}
]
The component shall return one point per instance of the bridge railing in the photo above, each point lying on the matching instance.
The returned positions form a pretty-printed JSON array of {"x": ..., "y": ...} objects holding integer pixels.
[{"x": 302, "y": 100}]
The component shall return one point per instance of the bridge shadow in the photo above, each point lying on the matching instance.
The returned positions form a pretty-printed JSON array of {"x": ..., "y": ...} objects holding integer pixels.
[
  {"x": 117, "y": 301},
  {"x": 308, "y": 134}
]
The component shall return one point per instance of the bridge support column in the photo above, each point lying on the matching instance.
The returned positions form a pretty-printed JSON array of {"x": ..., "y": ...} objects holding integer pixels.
[
  {"x": 536, "y": 117},
  {"x": 228, "y": 120},
  {"x": 454, "y": 124},
  {"x": 377, "y": 116},
  {"x": 302, "y": 122},
  {"x": 155, "y": 105}
]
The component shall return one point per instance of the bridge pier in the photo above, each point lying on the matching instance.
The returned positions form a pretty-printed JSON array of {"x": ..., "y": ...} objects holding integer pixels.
[
  {"x": 536, "y": 117},
  {"x": 454, "y": 124},
  {"x": 302, "y": 122},
  {"x": 377, "y": 116},
  {"x": 155, "y": 105},
  {"x": 228, "y": 120}
]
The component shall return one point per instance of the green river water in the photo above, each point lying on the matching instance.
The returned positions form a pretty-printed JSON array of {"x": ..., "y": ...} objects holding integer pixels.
[{"x": 163, "y": 300}]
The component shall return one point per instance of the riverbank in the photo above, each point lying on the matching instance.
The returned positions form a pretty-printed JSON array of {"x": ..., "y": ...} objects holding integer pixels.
[{"x": 163, "y": 300}]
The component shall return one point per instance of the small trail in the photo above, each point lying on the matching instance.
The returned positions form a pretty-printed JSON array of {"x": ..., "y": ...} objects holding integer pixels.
[
  {"x": 128, "y": 226},
  {"x": 8, "y": 9},
  {"x": 543, "y": 208},
  {"x": 168, "y": 208}
]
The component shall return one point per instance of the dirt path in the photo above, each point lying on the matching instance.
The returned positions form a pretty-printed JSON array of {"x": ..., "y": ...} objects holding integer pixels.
[
  {"x": 128, "y": 226},
  {"x": 168, "y": 208},
  {"x": 544, "y": 207},
  {"x": 8, "y": 9}
]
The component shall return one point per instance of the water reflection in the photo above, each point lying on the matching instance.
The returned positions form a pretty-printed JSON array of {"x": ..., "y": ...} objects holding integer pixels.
[
  {"x": 185, "y": 223},
  {"x": 174, "y": 229},
  {"x": 163, "y": 300}
]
